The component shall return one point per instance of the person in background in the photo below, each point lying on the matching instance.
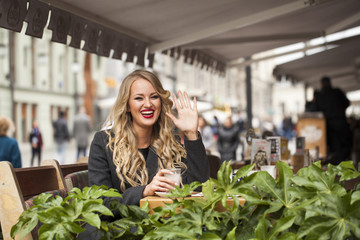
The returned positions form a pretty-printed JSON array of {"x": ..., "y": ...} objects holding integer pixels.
[
  {"x": 333, "y": 103},
  {"x": 138, "y": 146},
  {"x": 36, "y": 142},
  {"x": 206, "y": 133},
  {"x": 82, "y": 129},
  {"x": 61, "y": 136},
  {"x": 228, "y": 140},
  {"x": 9, "y": 148},
  {"x": 215, "y": 126}
]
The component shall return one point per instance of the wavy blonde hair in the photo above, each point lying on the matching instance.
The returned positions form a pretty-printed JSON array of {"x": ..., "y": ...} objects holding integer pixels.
[{"x": 130, "y": 163}]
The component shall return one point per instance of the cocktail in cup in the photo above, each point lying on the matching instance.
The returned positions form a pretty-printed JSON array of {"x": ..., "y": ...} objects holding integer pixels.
[{"x": 176, "y": 175}]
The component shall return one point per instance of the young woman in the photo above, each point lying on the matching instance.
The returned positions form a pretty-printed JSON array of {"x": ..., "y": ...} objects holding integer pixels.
[{"x": 137, "y": 146}]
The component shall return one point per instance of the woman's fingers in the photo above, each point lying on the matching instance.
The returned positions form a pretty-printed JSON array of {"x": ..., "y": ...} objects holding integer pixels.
[
  {"x": 176, "y": 102},
  {"x": 184, "y": 101},
  {"x": 195, "y": 104},
  {"x": 181, "y": 98},
  {"x": 187, "y": 100}
]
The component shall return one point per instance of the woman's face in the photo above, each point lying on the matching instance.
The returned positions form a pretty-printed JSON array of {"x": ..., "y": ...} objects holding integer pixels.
[{"x": 144, "y": 104}]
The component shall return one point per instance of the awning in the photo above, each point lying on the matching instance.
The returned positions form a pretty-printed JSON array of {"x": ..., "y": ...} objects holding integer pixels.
[
  {"x": 341, "y": 63},
  {"x": 211, "y": 33}
]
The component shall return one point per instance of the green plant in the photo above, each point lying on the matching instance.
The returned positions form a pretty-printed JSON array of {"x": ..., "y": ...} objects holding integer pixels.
[
  {"x": 311, "y": 205},
  {"x": 63, "y": 218}
]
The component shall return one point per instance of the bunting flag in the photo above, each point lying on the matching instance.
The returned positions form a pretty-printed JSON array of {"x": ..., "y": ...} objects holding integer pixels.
[
  {"x": 151, "y": 57},
  {"x": 199, "y": 58},
  {"x": 77, "y": 30},
  {"x": 140, "y": 53},
  {"x": 118, "y": 47},
  {"x": 178, "y": 53},
  {"x": 12, "y": 14},
  {"x": 172, "y": 52},
  {"x": 106, "y": 42},
  {"x": 59, "y": 24},
  {"x": 186, "y": 55},
  {"x": 91, "y": 37},
  {"x": 192, "y": 56},
  {"x": 130, "y": 50},
  {"x": 36, "y": 18}
]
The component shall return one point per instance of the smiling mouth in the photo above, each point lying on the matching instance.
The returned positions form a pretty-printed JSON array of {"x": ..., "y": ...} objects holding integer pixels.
[{"x": 147, "y": 113}]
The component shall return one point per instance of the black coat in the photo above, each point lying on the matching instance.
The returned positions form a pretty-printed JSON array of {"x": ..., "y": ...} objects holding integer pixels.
[{"x": 102, "y": 169}]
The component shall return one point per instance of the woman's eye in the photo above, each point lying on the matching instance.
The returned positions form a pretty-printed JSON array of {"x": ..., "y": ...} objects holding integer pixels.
[
  {"x": 155, "y": 97},
  {"x": 138, "y": 98}
]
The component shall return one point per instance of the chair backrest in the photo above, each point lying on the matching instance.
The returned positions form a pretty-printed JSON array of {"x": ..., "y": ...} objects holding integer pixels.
[
  {"x": 214, "y": 162},
  {"x": 77, "y": 179},
  {"x": 66, "y": 168},
  {"x": 18, "y": 185}
]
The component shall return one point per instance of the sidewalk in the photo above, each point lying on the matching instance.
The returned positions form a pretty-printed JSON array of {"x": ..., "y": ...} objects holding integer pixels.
[{"x": 47, "y": 153}]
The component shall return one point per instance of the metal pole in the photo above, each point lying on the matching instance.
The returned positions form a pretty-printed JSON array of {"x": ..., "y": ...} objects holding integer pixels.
[
  {"x": 248, "y": 94},
  {"x": 11, "y": 73}
]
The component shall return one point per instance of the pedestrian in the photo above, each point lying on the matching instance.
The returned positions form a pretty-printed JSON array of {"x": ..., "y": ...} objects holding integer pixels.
[
  {"x": 61, "y": 136},
  {"x": 228, "y": 140},
  {"x": 332, "y": 102},
  {"x": 36, "y": 142},
  {"x": 9, "y": 148},
  {"x": 206, "y": 133},
  {"x": 82, "y": 129},
  {"x": 137, "y": 146}
]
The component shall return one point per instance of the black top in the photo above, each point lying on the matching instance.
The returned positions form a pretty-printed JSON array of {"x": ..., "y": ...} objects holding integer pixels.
[
  {"x": 144, "y": 151},
  {"x": 102, "y": 170}
]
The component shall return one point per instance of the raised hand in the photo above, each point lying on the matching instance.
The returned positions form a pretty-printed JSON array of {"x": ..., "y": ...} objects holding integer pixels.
[{"x": 187, "y": 119}]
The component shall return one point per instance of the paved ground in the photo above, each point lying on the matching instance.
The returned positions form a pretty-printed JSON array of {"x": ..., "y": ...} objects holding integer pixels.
[{"x": 47, "y": 153}]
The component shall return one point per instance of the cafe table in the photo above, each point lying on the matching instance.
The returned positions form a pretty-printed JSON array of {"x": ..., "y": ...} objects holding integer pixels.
[{"x": 157, "y": 201}]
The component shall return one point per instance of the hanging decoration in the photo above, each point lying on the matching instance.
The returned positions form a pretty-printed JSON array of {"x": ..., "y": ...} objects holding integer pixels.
[
  {"x": 36, "y": 18},
  {"x": 12, "y": 14},
  {"x": 91, "y": 37},
  {"x": 76, "y": 31},
  {"x": 60, "y": 25}
]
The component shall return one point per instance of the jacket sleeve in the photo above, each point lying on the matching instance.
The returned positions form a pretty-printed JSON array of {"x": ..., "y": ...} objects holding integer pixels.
[
  {"x": 16, "y": 156},
  {"x": 198, "y": 168}
]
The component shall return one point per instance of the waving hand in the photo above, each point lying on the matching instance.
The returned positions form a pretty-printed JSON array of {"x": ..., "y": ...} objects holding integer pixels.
[{"x": 187, "y": 119}]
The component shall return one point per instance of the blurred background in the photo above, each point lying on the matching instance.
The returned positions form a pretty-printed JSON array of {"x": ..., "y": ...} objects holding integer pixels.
[{"x": 258, "y": 62}]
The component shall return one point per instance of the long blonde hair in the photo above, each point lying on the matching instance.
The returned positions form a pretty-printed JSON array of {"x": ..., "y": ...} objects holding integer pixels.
[{"x": 130, "y": 163}]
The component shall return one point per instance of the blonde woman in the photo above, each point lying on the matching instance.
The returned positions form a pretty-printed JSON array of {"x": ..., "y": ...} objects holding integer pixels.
[
  {"x": 138, "y": 145},
  {"x": 9, "y": 148}
]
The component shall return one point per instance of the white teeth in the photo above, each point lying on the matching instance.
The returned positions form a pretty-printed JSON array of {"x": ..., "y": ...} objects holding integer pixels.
[{"x": 147, "y": 112}]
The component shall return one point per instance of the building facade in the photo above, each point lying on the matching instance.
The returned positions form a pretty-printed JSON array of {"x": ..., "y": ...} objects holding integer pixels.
[{"x": 46, "y": 77}]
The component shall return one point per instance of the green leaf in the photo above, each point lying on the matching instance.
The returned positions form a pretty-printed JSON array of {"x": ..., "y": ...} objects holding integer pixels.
[
  {"x": 355, "y": 197},
  {"x": 281, "y": 225},
  {"x": 209, "y": 236},
  {"x": 92, "y": 218},
  {"x": 231, "y": 234},
  {"x": 73, "y": 227},
  {"x": 261, "y": 229},
  {"x": 346, "y": 170},
  {"x": 93, "y": 206}
]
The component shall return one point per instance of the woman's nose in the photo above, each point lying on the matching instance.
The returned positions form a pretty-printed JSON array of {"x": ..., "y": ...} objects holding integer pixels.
[{"x": 147, "y": 102}]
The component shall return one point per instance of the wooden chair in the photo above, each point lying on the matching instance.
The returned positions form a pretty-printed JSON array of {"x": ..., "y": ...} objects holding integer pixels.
[
  {"x": 75, "y": 175},
  {"x": 77, "y": 179},
  {"x": 18, "y": 186},
  {"x": 214, "y": 162},
  {"x": 66, "y": 168}
]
